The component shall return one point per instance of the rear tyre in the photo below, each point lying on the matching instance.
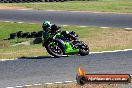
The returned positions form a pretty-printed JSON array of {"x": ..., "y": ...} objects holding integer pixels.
[{"x": 55, "y": 49}]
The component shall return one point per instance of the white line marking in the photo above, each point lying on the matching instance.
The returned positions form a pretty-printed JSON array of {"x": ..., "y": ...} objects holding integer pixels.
[
  {"x": 104, "y": 27},
  {"x": 19, "y": 86},
  {"x": 51, "y": 10},
  {"x": 2, "y": 60},
  {"x": 111, "y": 51},
  {"x": 6, "y": 21},
  {"x": 58, "y": 82},
  {"x": 19, "y": 22},
  {"x": 65, "y": 25},
  {"x": 127, "y": 28},
  {"x": 83, "y": 26},
  {"x": 49, "y": 83},
  {"x": 28, "y": 85},
  {"x": 6, "y": 59},
  {"x": 37, "y": 84},
  {"x": 96, "y": 12},
  {"x": 68, "y": 81},
  {"x": 10, "y": 87},
  {"x": 24, "y": 9}
]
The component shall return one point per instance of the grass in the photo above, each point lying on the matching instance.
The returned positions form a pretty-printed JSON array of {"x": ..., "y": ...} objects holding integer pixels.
[
  {"x": 98, "y": 39},
  {"x": 123, "y": 6}
]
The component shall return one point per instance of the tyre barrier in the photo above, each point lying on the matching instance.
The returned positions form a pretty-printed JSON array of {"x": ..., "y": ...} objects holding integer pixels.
[
  {"x": 28, "y": 1},
  {"x": 21, "y": 34}
]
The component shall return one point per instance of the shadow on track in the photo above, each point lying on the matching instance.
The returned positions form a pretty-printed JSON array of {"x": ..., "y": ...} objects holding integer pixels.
[{"x": 38, "y": 57}]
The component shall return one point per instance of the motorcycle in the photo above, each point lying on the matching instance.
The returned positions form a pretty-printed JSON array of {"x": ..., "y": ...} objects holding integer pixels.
[{"x": 59, "y": 44}]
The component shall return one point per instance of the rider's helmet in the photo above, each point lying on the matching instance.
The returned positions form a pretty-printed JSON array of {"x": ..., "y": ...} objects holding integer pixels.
[{"x": 46, "y": 24}]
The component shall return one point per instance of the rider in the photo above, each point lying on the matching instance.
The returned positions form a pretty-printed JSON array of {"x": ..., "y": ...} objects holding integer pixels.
[
  {"x": 50, "y": 30},
  {"x": 53, "y": 29}
]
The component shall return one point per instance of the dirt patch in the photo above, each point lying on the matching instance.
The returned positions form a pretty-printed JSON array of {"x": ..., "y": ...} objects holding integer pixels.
[
  {"x": 23, "y": 43},
  {"x": 74, "y": 85},
  {"x": 110, "y": 39}
]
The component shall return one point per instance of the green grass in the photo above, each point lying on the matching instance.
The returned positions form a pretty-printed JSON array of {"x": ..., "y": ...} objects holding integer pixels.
[
  {"x": 7, "y": 28},
  {"x": 123, "y": 6},
  {"x": 98, "y": 39}
]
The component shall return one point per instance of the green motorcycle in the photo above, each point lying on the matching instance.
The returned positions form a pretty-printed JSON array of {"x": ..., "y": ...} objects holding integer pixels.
[{"x": 60, "y": 44}]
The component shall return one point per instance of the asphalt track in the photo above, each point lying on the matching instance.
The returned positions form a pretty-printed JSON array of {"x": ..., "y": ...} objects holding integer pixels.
[
  {"x": 44, "y": 69},
  {"x": 68, "y": 18}
]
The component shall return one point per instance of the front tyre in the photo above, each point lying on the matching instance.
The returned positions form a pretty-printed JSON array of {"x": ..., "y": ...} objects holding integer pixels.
[
  {"x": 55, "y": 49},
  {"x": 84, "y": 49}
]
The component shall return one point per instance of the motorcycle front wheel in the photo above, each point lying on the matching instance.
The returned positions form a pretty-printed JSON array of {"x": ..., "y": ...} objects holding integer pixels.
[{"x": 84, "y": 49}]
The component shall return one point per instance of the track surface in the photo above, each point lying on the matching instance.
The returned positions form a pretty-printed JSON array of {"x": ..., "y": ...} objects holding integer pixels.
[
  {"x": 46, "y": 69},
  {"x": 69, "y": 18}
]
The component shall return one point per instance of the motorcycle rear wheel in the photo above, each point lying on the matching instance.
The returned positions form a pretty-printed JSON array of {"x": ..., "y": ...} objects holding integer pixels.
[{"x": 55, "y": 49}]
